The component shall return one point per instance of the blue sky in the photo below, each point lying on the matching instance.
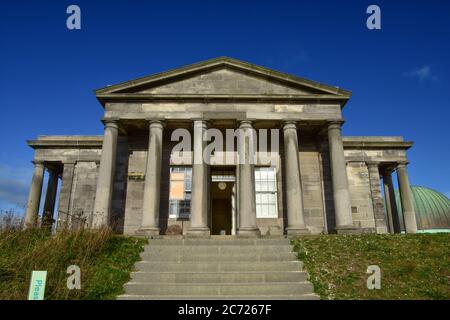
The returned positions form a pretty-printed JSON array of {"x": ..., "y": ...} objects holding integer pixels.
[{"x": 399, "y": 75}]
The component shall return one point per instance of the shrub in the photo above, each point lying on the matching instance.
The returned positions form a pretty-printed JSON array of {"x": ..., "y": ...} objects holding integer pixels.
[{"x": 95, "y": 252}]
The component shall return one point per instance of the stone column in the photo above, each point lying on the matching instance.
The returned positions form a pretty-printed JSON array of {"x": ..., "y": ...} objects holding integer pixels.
[
  {"x": 377, "y": 199},
  {"x": 65, "y": 194},
  {"x": 34, "y": 196},
  {"x": 341, "y": 194},
  {"x": 294, "y": 196},
  {"x": 50, "y": 197},
  {"x": 233, "y": 211},
  {"x": 105, "y": 180},
  {"x": 391, "y": 205},
  {"x": 247, "y": 198},
  {"x": 150, "y": 206},
  {"x": 199, "y": 202},
  {"x": 406, "y": 198}
]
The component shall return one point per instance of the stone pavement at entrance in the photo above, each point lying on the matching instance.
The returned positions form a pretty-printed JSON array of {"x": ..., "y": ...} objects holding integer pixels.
[{"x": 222, "y": 268}]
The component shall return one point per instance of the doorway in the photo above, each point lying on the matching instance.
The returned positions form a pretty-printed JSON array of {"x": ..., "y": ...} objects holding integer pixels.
[{"x": 223, "y": 201}]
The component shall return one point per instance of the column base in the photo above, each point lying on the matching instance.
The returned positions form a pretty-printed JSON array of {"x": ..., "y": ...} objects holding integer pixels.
[
  {"x": 202, "y": 232},
  {"x": 348, "y": 230},
  {"x": 248, "y": 233},
  {"x": 148, "y": 232},
  {"x": 297, "y": 231},
  {"x": 28, "y": 225}
]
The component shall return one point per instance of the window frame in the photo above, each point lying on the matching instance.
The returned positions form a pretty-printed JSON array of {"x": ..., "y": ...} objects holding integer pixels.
[
  {"x": 266, "y": 193},
  {"x": 181, "y": 206}
]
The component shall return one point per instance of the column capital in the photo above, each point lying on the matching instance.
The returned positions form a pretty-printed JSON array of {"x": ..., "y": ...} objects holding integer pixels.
[
  {"x": 289, "y": 124},
  {"x": 372, "y": 164},
  {"x": 246, "y": 124},
  {"x": 38, "y": 163},
  {"x": 110, "y": 123},
  {"x": 402, "y": 164},
  {"x": 335, "y": 124},
  {"x": 155, "y": 123},
  {"x": 203, "y": 123}
]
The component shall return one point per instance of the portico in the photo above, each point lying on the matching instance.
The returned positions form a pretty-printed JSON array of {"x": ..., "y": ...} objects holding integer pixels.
[{"x": 132, "y": 177}]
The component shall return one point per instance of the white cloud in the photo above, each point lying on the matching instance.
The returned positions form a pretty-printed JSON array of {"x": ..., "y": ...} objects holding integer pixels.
[
  {"x": 14, "y": 185},
  {"x": 423, "y": 73}
]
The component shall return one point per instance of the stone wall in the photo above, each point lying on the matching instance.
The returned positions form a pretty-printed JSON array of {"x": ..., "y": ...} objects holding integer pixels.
[
  {"x": 360, "y": 196},
  {"x": 311, "y": 179},
  {"x": 137, "y": 150},
  {"x": 327, "y": 187},
  {"x": 120, "y": 186},
  {"x": 83, "y": 193},
  {"x": 379, "y": 212}
]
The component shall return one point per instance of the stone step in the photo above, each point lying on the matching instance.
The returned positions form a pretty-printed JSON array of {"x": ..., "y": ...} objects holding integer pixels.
[
  {"x": 231, "y": 257},
  {"x": 163, "y": 266},
  {"x": 189, "y": 249},
  {"x": 219, "y": 242},
  {"x": 218, "y": 277},
  {"x": 223, "y": 297},
  {"x": 219, "y": 289},
  {"x": 219, "y": 268}
]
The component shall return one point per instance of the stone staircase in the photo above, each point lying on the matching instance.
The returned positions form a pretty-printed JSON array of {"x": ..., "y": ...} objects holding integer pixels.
[{"x": 218, "y": 268}]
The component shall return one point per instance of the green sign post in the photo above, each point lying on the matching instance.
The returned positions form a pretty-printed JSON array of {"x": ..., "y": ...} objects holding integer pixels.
[{"x": 37, "y": 285}]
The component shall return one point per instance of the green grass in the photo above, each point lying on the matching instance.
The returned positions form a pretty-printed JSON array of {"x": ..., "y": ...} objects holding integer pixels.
[
  {"x": 105, "y": 261},
  {"x": 412, "y": 266}
]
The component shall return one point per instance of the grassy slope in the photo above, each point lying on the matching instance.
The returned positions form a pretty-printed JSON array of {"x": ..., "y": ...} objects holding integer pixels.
[
  {"x": 412, "y": 266},
  {"x": 105, "y": 261}
]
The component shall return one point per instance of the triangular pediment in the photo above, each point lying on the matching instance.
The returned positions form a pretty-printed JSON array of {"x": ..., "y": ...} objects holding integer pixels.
[
  {"x": 222, "y": 76},
  {"x": 225, "y": 81}
]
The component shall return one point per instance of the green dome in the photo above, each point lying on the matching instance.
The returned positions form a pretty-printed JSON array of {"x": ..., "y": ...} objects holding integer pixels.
[{"x": 432, "y": 208}]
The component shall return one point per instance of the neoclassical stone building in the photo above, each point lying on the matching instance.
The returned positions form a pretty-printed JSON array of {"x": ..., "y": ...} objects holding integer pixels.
[{"x": 319, "y": 182}]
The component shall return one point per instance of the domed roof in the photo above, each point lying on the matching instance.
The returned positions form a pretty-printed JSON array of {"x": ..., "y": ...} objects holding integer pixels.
[{"x": 432, "y": 208}]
